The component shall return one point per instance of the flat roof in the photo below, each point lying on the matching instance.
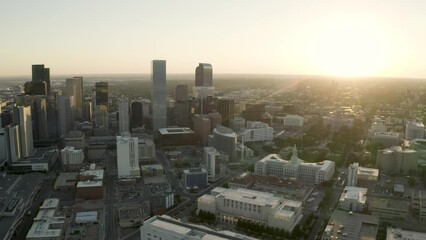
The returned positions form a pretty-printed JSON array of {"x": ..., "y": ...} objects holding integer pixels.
[
  {"x": 45, "y": 230},
  {"x": 354, "y": 193},
  {"x": 175, "y": 131},
  {"x": 352, "y": 226},
  {"x": 97, "y": 173},
  {"x": 249, "y": 196},
  {"x": 66, "y": 179},
  {"x": 50, "y": 203},
  {"x": 399, "y": 234},
  {"x": 368, "y": 171},
  {"x": 389, "y": 203},
  {"x": 89, "y": 184}
]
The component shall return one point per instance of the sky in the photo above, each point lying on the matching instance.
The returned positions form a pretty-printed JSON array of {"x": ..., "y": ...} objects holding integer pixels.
[{"x": 347, "y": 38}]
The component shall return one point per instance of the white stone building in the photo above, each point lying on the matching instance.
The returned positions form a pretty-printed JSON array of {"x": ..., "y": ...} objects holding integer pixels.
[
  {"x": 127, "y": 157},
  {"x": 72, "y": 159},
  {"x": 255, "y": 132},
  {"x": 231, "y": 205},
  {"x": 295, "y": 168},
  {"x": 353, "y": 199}
]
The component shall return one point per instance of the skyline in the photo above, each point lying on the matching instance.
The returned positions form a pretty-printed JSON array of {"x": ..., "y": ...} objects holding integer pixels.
[{"x": 354, "y": 38}]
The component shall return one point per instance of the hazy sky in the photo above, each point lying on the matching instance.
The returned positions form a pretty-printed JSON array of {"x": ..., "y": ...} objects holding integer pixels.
[{"x": 379, "y": 38}]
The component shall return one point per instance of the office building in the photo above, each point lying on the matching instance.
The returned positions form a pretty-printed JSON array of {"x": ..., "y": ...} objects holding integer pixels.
[
  {"x": 165, "y": 227},
  {"x": 226, "y": 108},
  {"x": 231, "y": 205},
  {"x": 204, "y": 75},
  {"x": 146, "y": 149},
  {"x": 48, "y": 224},
  {"x": 397, "y": 160},
  {"x": 213, "y": 162},
  {"x": 101, "y": 93},
  {"x": 162, "y": 197},
  {"x": 414, "y": 129},
  {"x": 75, "y": 139},
  {"x": 256, "y": 132},
  {"x": 136, "y": 110},
  {"x": 39, "y": 118},
  {"x": 65, "y": 114},
  {"x": 4, "y": 147},
  {"x": 35, "y": 88},
  {"x": 352, "y": 174},
  {"x": 389, "y": 208},
  {"x": 101, "y": 117},
  {"x": 225, "y": 141},
  {"x": 123, "y": 115},
  {"x": 353, "y": 199},
  {"x": 127, "y": 157},
  {"x": 254, "y": 111},
  {"x": 386, "y": 139},
  {"x": 74, "y": 87},
  {"x": 72, "y": 159},
  {"x": 13, "y": 143},
  {"x": 195, "y": 178},
  {"x": 176, "y": 137},
  {"x": 181, "y": 92},
  {"x": 88, "y": 190},
  {"x": 295, "y": 168},
  {"x": 202, "y": 128},
  {"x": 41, "y": 74},
  {"x": 22, "y": 117},
  {"x": 418, "y": 204},
  {"x": 159, "y": 95},
  {"x": 295, "y": 121},
  {"x": 238, "y": 123},
  {"x": 351, "y": 226},
  {"x": 87, "y": 111},
  {"x": 399, "y": 234}
]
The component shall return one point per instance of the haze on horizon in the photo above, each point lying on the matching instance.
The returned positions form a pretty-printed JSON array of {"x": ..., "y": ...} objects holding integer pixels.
[{"x": 344, "y": 38}]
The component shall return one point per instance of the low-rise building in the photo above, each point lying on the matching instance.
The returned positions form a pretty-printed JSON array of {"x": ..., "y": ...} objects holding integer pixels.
[
  {"x": 195, "y": 178},
  {"x": 232, "y": 205},
  {"x": 66, "y": 182},
  {"x": 389, "y": 208},
  {"x": 72, "y": 159},
  {"x": 387, "y": 139},
  {"x": 418, "y": 204},
  {"x": 293, "y": 121},
  {"x": 353, "y": 199},
  {"x": 89, "y": 190},
  {"x": 397, "y": 160},
  {"x": 162, "y": 197},
  {"x": 399, "y": 234},
  {"x": 165, "y": 227},
  {"x": 351, "y": 226},
  {"x": 256, "y": 132},
  {"x": 47, "y": 225},
  {"x": 295, "y": 168},
  {"x": 75, "y": 139},
  {"x": 146, "y": 149}
]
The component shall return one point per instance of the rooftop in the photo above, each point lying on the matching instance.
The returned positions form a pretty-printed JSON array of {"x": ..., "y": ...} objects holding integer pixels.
[
  {"x": 248, "y": 196},
  {"x": 98, "y": 174},
  {"x": 399, "y": 234},
  {"x": 368, "y": 171},
  {"x": 345, "y": 225},
  {"x": 66, "y": 179},
  {"x": 173, "y": 131},
  {"x": 354, "y": 193},
  {"x": 50, "y": 203},
  {"x": 89, "y": 184}
]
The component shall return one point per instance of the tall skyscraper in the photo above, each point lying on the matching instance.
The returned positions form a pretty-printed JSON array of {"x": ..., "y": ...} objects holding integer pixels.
[
  {"x": 65, "y": 118},
  {"x": 136, "y": 113},
  {"x": 41, "y": 74},
  {"x": 181, "y": 92},
  {"x": 225, "y": 106},
  {"x": 123, "y": 115},
  {"x": 101, "y": 90},
  {"x": 22, "y": 117},
  {"x": 74, "y": 87},
  {"x": 159, "y": 95},
  {"x": 204, "y": 75},
  {"x": 39, "y": 118}
]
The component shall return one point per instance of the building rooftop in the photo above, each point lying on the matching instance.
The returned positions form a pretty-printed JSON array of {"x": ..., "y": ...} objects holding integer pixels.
[
  {"x": 354, "y": 193},
  {"x": 98, "y": 174},
  {"x": 248, "y": 196},
  {"x": 46, "y": 229},
  {"x": 399, "y": 234},
  {"x": 89, "y": 184},
  {"x": 50, "y": 203},
  {"x": 66, "y": 179},
  {"x": 173, "y": 131},
  {"x": 224, "y": 131},
  {"x": 83, "y": 217},
  {"x": 368, "y": 171},
  {"x": 389, "y": 203},
  {"x": 75, "y": 134},
  {"x": 345, "y": 225}
]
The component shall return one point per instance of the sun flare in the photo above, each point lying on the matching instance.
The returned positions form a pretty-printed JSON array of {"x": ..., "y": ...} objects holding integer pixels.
[{"x": 352, "y": 48}]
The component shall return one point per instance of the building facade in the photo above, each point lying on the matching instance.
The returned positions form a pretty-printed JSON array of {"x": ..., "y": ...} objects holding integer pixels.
[
  {"x": 159, "y": 95},
  {"x": 123, "y": 115},
  {"x": 128, "y": 157}
]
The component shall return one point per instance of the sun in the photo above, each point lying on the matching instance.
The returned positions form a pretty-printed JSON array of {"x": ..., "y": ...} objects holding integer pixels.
[{"x": 349, "y": 48}]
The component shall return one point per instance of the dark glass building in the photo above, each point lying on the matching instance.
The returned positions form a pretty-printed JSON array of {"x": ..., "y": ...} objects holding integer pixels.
[{"x": 204, "y": 75}]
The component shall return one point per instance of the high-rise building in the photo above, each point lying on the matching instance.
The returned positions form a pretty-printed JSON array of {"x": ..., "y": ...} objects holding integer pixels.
[
  {"x": 181, "y": 92},
  {"x": 4, "y": 146},
  {"x": 87, "y": 111},
  {"x": 123, "y": 115},
  {"x": 202, "y": 127},
  {"x": 41, "y": 74},
  {"x": 204, "y": 75},
  {"x": 226, "y": 107},
  {"x": 136, "y": 110},
  {"x": 353, "y": 174},
  {"x": 13, "y": 143},
  {"x": 159, "y": 95},
  {"x": 35, "y": 88},
  {"x": 128, "y": 157},
  {"x": 74, "y": 87},
  {"x": 65, "y": 116},
  {"x": 72, "y": 159},
  {"x": 22, "y": 117},
  {"x": 101, "y": 91}
]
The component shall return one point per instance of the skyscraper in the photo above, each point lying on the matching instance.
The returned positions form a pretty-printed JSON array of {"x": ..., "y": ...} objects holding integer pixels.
[
  {"x": 65, "y": 118},
  {"x": 74, "y": 87},
  {"x": 22, "y": 117},
  {"x": 41, "y": 74},
  {"x": 123, "y": 115},
  {"x": 225, "y": 106},
  {"x": 101, "y": 89},
  {"x": 204, "y": 75},
  {"x": 127, "y": 157},
  {"x": 136, "y": 114},
  {"x": 159, "y": 95},
  {"x": 181, "y": 92}
]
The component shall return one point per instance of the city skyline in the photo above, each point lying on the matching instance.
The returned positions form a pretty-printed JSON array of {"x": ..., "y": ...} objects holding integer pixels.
[{"x": 351, "y": 38}]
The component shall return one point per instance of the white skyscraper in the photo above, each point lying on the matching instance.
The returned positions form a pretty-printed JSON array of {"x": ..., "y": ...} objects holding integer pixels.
[
  {"x": 159, "y": 95},
  {"x": 123, "y": 115},
  {"x": 127, "y": 157}
]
